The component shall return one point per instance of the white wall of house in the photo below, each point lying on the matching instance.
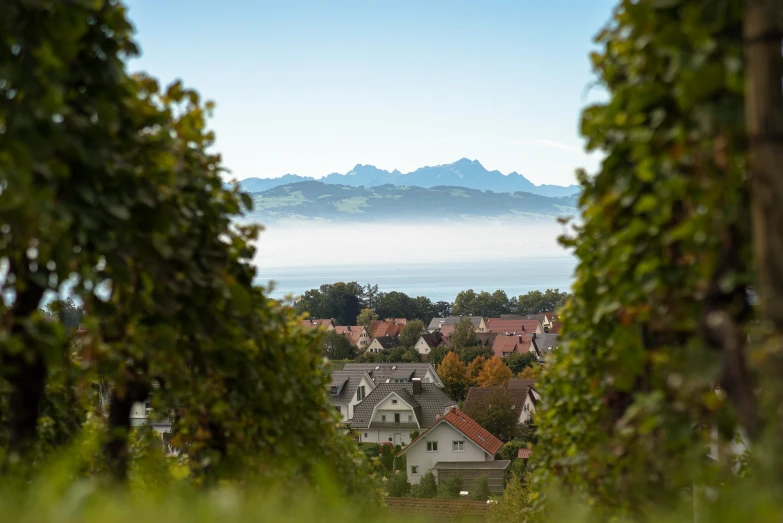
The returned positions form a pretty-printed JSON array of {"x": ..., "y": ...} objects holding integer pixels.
[
  {"x": 429, "y": 377},
  {"x": 395, "y": 437},
  {"x": 368, "y": 385},
  {"x": 444, "y": 435},
  {"x": 364, "y": 339},
  {"x": 422, "y": 346},
  {"x": 528, "y": 409},
  {"x": 392, "y": 407},
  {"x": 482, "y": 326},
  {"x": 374, "y": 347}
]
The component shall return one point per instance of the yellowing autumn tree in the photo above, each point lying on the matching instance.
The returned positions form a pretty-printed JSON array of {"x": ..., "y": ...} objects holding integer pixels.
[
  {"x": 530, "y": 373},
  {"x": 454, "y": 375},
  {"x": 474, "y": 369},
  {"x": 494, "y": 374}
]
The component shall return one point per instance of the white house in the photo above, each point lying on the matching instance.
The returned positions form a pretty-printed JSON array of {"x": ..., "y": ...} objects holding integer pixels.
[
  {"x": 382, "y": 342},
  {"x": 427, "y": 342},
  {"x": 356, "y": 334},
  {"x": 392, "y": 412},
  {"x": 456, "y": 444},
  {"x": 347, "y": 389}
]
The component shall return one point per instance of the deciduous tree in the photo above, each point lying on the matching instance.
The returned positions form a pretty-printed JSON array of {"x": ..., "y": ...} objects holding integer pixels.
[
  {"x": 495, "y": 411},
  {"x": 411, "y": 333},
  {"x": 454, "y": 376},
  {"x": 494, "y": 373},
  {"x": 366, "y": 317}
]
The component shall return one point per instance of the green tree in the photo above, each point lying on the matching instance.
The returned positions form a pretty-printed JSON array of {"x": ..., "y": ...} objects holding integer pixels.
[
  {"x": 479, "y": 489},
  {"x": 665, "y": 264},
  {"x": 536, "y": 301},
  {"x": 411, "y": 333},
  {"x": 464, "y": 335},
  {"x": 468, "y": 303},
  {"x": 510, "y": 450},
  {"x": 395, "y": 304},
  {"x": 517, "y": 361},
  {"x": 341, "y": 301},
  {"x": 472, "y": 353},
  {"x": 336, "y": 346},
  {"x": 454, "y": 376},
  {"x": 437, "y": 354},
  {"x": 450, "y": 487},
  {"x": 427, "y": 488},
  {"x": 110, "y": 192},
  {"x": 397, "y": 485},
  {"x": 495, "y": 412},
  {"x": 366, "y": 317},
  {"x": 515, "y": 504}
]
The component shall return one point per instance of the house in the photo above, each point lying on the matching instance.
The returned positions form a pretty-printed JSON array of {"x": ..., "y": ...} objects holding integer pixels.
[
  {"x": 545, "y": 318},
  {"x": 389, "y": 326},
  {"x": 554, "y": 328},
  {"x": 438, "y": 323},
  {"x": 356, "y": 334},
  {"x": 525, "y": 396},
  {"x": 427, "y": 342},
  {"x": 347, "y": 389},
  {"x": 503, "y": 346},
  {"x": 524, "y": 453},
  {"x": 500, "y": 326},
  {"x": 456, "y": 444},
  {"x": 327, "y": 324},
  {"x": 398, "y": 372},
  {"x": 383, "y": 342},
  {"x": 393, "y": 411},
  {"x": 544, "y": 344}
]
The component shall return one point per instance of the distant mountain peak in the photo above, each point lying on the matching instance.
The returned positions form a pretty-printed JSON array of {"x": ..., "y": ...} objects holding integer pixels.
[{"x": 466, "y": 173}]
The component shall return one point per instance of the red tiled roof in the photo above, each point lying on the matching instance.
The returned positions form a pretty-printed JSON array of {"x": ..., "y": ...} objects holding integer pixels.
[
  {"x": 447, "y": 329},
  {"x": 472, "y": 430},
  {"x": 518, "y": 326},
  {"x": 387, "y": 329},
  {"x": 555, "y": 327},
  {"x": 318, "y": 323},
  {"x": 509, "y": 344},
  {"x": 524, "y": 453},
  {"x": 352, "y": 332}
]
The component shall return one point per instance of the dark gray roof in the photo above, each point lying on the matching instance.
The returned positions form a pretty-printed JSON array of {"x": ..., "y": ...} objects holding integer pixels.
[
  {"x": 388, "y": 342},
  {"x": 431, "y": 402},
  {"x": 353, "y": 377},
  {"x": 500, "y": 464},
  {"x": 432, "y": 340},
  {"x": 453, "y": 320},
  {"x": 380, "y": 372},
  {"x": 543, "y": 343}
]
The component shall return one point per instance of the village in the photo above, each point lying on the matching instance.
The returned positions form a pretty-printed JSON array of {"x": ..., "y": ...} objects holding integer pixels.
[{"x": 464, "y": 425}]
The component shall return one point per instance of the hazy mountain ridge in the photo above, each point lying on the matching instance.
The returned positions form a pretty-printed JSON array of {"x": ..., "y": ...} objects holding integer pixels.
[
  {"x": 464, "y": 173},
  {"x": 315, "y": 200}
]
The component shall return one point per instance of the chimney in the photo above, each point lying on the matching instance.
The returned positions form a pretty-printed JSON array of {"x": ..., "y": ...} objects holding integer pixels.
[
  {"x": 520, "y": 338},
  {"x": 416, "y": 386}
]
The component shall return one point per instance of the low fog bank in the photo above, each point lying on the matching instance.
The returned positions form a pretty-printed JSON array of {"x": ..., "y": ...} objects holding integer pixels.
[{"x": 320, "y": 244}]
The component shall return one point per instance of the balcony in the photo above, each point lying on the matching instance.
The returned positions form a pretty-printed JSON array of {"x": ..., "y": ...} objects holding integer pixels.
[{"x": 390, "y": 425}]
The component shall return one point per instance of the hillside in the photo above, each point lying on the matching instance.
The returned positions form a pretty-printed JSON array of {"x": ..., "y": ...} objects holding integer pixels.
[
  {"x": 312, "y": 200},
  {"x": 464, "y": 173}
]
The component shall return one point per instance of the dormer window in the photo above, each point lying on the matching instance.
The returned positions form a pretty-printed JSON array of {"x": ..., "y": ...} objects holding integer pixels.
[{"x": 334, "y": 390}]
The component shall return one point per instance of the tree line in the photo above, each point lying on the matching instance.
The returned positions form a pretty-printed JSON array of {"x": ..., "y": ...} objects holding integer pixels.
[{"x": 345, "y": 301}]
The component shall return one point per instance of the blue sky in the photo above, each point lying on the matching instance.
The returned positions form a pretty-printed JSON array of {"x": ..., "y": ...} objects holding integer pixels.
[{"x": 314, "y": 87}]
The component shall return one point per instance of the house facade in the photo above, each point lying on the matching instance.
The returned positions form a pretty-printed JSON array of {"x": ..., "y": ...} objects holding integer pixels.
[
  {"x": 427, "y": 342},
  {"x": 392, "y": 412},
  {"x": 356, "y": 334},
  {"x": 347, "y": 389},
  {"x": 382, "y": 342},
  {"x": 456, "y": 444}
]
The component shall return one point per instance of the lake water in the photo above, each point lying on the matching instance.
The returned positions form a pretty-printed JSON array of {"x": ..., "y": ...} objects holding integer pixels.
[{"x": 437, "y": 281}]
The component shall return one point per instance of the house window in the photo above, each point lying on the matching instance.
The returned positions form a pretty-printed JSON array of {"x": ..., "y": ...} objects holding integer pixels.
[
  {"x": 432, "y": 446},
  {"x": 390, "y": 438},
  {"x": 337, "y": 408},
  {"x": 458, "y": 446},
  {"x": 414, "y": 470},
  {"x": 394, "y": 402},
  {"x": 360, "y": 393},
  {"x": 383, "y": 417},
  {"x": 396, "y": 417},
  {"x": 365, "y": 435},
  {"x": 334, "y": 390},
  {"x": 410, "y": 418}
]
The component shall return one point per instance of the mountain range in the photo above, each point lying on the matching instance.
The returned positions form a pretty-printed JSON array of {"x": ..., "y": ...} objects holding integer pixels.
[
  {"x": 464, "y": 173},
  {"x": 316, "y": 201}
]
